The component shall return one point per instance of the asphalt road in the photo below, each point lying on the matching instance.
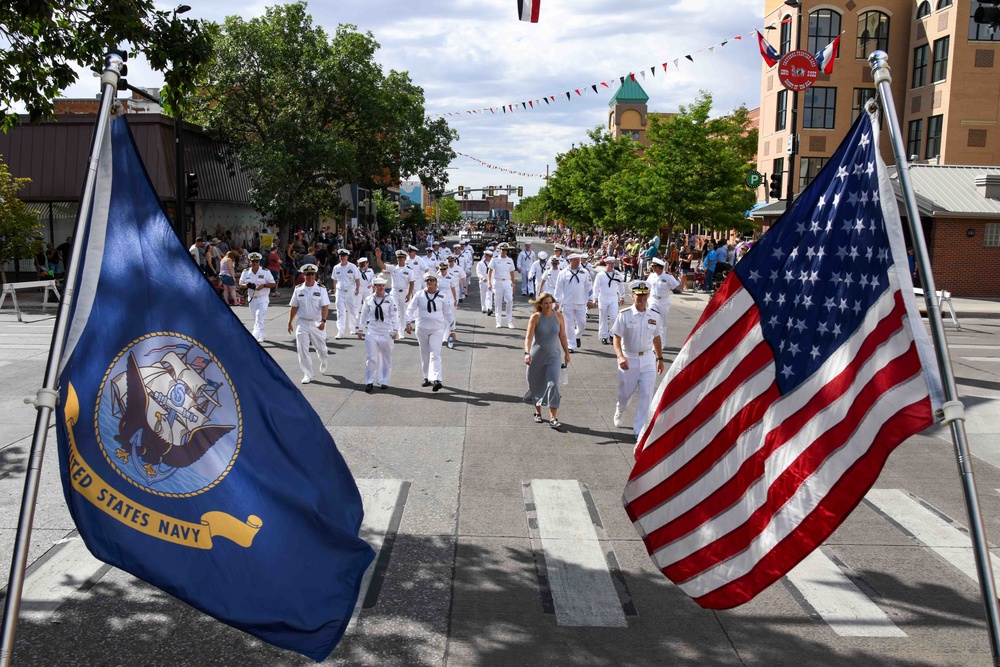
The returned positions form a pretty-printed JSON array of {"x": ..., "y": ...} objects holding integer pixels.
[{"x": 503, "y": 542}]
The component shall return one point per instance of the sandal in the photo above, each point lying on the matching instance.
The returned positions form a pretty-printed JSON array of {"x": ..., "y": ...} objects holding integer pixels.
[
  {"x": 555, "y": 423},
  {"x": 538, "y": 418}
]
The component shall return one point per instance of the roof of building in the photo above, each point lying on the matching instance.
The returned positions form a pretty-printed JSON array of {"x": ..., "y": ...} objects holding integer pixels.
[
  {"x": 630, "y": 92},
  {"x": 949, "y": 190}
]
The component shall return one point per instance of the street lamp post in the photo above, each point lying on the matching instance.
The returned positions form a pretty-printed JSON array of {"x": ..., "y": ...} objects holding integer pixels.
[
  {"x": 794, "y": 148},
  {"x": 180, "y": 174}
]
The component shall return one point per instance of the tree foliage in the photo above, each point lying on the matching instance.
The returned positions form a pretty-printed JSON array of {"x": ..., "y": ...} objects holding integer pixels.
[
  {"x": 450, "y": 211},
  {"x": 306, "y": 113},
  {"x": 19, "y": 227},
  {"x": 386, "y": 212},
  {"x": 532, "y": 209},
  {"x": 691, "y": 173},
  {"x": 43, "y": 39}
]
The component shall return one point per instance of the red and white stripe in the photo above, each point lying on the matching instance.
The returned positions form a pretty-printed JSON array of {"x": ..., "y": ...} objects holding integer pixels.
[
  {"x": 735, "y": 483},
  {"x": 527, "y": 10}
]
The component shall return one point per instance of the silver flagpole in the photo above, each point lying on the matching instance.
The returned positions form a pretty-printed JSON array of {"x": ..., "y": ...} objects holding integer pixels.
[
  {"x": 45, "y": 400},
  {"x": 953, "y": 411}
]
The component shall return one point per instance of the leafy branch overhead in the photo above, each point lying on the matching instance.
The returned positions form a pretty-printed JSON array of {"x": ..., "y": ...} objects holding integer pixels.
[
  {"x": 44, "y": 39},
  {"x": 306, "y": 113}
]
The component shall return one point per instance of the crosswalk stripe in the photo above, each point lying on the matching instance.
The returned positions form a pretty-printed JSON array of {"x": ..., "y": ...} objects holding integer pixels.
[
  {"x": 383, "y": 501},
  {"x": 53, "y": 578},
  {"x": 838, "y": 600},
  {"x": 580, "y": 580},
  {"x": 941, "y": 536}
]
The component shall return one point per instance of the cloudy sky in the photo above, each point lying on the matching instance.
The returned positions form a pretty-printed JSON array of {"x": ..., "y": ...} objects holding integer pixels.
[{"x": 475, "y": 54}]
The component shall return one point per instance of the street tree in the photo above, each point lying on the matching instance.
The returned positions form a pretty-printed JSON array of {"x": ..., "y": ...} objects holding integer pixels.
[
  {"x": 43, "y": 40},
  {"x": 694, "y": 170},
  {"x": 306, "y": 113},
  {"x": 386, "y": 212},
  {"x": 20, "y": 229},
  {"x": 581, "y": 191},
  {"x": 450, "y": 211},
  {"x": 532, "y": 209},
  {"x": 416, "y": 220}
]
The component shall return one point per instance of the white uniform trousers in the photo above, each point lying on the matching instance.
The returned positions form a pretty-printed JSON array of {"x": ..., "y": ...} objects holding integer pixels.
[
  {"x": 503, "y": 300},
  {"x": 430, "y": 352},
  {"x": 259, "y": 308},
  {"x": 485, "y": 297},
  {"x": 378, "y": 348},
  {"x": 527, "y": 286},
  {"x": 641, "y": 377},
  {"x": 401, "y": 304},
  {"x": 306, "y": 332},
  {"x": 347, "y": 312},
  {"x": 575, "y": 316},
  {"x": 661, "y": 307},
  {"x": 606, "y": 315},
  {"x": 360, "y": 301}
]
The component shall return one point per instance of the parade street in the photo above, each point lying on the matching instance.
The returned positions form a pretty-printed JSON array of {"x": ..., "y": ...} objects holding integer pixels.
[{"x": 504, "y": 542}]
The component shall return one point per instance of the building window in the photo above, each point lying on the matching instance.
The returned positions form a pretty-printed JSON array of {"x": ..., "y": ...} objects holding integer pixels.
[
  {"x": 924, "y": 9},
  {"x": 934, "y": 127},
  {"x": 913, "y": 139},
  {"x": 939, "y": 72},
  {"x": 943, "y": 3},
  {"x": 980, "y": 32},
  {"x": 920, "y": 65},
  {"x": 786, "y": 35},
  {"x": 824, "y": 26},
  {"x": 992, "y": 236},
  {"x": 782, "y": 114},
  {"x": 809, "y": 167},
  {"x": 873, "y": 33},
  {"x": 820, "y": 107},
  {"x": 631, "y": 134},
  {"x": 861, "y": 97}
]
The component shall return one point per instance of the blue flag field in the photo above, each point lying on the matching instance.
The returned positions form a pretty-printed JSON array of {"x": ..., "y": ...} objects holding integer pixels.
[{"x": 188, "y": 458}]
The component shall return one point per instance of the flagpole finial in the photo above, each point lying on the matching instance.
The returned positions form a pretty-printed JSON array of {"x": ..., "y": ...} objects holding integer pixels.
[
  {"x": 879, "y": 62},
  {"x": 114, "y": 67}
]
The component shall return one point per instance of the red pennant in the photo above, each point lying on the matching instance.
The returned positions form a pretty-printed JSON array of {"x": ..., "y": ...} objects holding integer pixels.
[
  {"x": 664, "y": 67},
  {"x": 605, "y": 84},
  {"x": 578, "y": 92},
  {"x": 531, "y": 104},
  {"x": 632, "y": 76}
]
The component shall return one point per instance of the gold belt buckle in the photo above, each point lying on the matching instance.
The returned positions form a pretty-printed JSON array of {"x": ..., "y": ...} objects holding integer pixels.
[{"x": 640, "y": 353}]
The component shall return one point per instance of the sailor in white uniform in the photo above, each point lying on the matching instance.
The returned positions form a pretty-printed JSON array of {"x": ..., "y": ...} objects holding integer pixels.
[
  {"x": 501, "y": 280},
  {"x": 365, "y": 275},
  {"x": 525, "y": 259},
  {"x": 557, "y": 252},
  {"x": 347, "y": 287},
  {"x": 455, "y": 270},
  {"x": 609, "y": 292},
  {"x": 429, "y": 312},
  {"x": 415, "y": 263},
  {"x": 379, "y": 323},
  {"x": 482, "y": 274},
  {"x": 258, "y": 282},
  {"x": 402, "y": 284},
  {"x": 311, "y": 303},
  {"x": 549, "y": 275},
  {"x": 536, "y": 271},
  {"x": 640, "y": 356},
  {"x": 572, "y": 293},
  {"x": 661, "y": 284}
]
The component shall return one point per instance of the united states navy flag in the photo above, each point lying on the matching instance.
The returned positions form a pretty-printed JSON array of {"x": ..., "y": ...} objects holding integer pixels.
[{"x": 188, "y": 457}]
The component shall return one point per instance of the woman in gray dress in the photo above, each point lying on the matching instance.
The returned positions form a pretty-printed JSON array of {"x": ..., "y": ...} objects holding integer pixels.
[{"x": 545, "y": 349}]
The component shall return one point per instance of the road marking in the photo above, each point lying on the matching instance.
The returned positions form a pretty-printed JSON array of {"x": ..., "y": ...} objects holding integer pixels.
[
  {"x": 943, "y": 536},
  {"x": 583, "y": 592},
  {"x": 383, "y": 501},
  {"x": 969, "y": 346},
  {"x": 62, "y": 571},
  {"x": 980, "y": 358},
  {"x": 848, "y": 611}
]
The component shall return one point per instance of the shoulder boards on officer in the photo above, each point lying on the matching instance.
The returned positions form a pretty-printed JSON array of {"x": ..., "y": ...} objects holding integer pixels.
[{"x": 654, "y": 310}]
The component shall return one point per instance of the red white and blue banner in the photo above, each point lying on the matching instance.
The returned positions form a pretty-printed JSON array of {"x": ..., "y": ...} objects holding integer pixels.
[
  {"x": 826, "y": 57},
  {"x": 767, "y": 52},
  {"x": 806, "y": 370},
  {"x": 527, "y": 10}
]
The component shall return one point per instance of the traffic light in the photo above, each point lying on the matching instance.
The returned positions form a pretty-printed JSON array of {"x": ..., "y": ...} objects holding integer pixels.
[
  {"x": 461, "y": 190},
  {"x": 775, "y": 190},
  {"x": 190, "y": 185},
  {"x": 520, "y": 191},
  {"x": 489, "y": 191},
  {"x": 988, "y": 12}
]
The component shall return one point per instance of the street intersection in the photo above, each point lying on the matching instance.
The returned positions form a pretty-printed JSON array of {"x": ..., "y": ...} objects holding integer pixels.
[{"x": 503, "y": 542}]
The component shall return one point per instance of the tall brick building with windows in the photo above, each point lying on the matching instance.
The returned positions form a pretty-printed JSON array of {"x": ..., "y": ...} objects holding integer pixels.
[{"x": 946, "y": 88}]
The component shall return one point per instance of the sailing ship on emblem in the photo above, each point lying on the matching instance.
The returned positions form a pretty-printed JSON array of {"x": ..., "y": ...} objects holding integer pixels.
[{"x": 164, "y": 411}]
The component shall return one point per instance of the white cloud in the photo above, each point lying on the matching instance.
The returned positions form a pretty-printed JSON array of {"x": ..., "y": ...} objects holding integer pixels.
[{"x": 474, "y": 54}]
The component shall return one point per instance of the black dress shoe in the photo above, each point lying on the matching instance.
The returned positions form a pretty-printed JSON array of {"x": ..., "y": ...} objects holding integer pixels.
[
  {"x": 425, "y": 383},
  {"x": 368, "y": 388},
  {"x": 383, "y": 386},
  {"x": 437, "y": 385},
  {"x": 578, "y": 343}
]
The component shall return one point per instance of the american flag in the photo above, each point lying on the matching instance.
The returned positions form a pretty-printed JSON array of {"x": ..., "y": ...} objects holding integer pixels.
[{"x": 805, "y": 371}]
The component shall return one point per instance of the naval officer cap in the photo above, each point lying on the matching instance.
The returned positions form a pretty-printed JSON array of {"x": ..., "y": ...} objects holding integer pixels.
[
  {"x": 488, "y": 251},
  {"x": 400, "y": 253},
  {"x": 659, "y": 262},
  {"x": 254, "y": 257},
  {"x": 639, "y": 287},
  {"x": 308, "y": 268},
  {"x": 442, "y": 265},
  {"x": 412, "y": 247}
]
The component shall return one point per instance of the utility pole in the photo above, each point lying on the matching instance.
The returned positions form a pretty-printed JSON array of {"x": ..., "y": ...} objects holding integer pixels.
[{"x": 794, "y": 148}]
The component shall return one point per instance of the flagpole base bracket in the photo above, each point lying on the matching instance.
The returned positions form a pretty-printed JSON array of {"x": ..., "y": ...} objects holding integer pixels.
[
  {"x": 951, "y": 411},
  {"x": 45, "y": 398}
]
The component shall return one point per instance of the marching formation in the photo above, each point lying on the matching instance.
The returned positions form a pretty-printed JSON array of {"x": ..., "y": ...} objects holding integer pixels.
[{"x": 420, "y": 297}]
